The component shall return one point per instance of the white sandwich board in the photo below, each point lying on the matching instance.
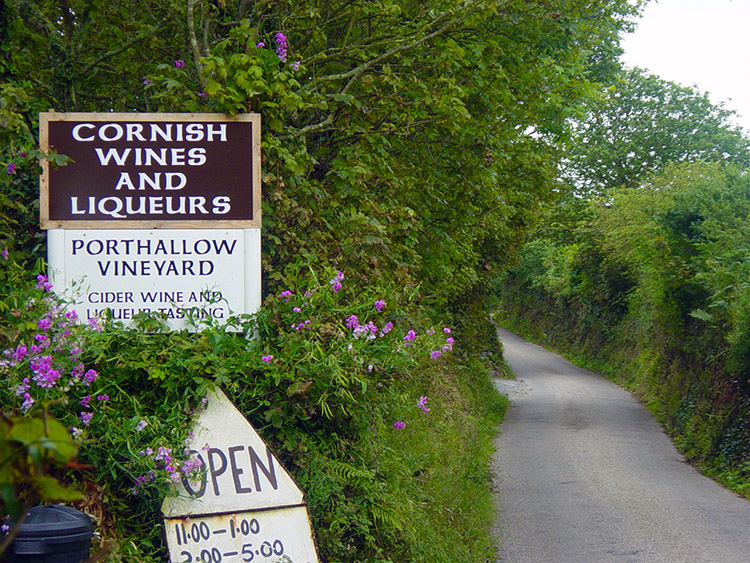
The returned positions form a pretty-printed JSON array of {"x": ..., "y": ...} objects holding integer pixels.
[{"x": 245, "y": 507}]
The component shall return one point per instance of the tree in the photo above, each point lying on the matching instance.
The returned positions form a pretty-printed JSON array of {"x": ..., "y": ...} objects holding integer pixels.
[
  {"x": 408, "y": 143},
  {"x": 399, "y": 135},
  {"x": 640, "y": 124}
]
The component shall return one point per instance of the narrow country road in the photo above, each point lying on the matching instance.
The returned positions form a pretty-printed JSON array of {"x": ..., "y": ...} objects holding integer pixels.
[{"x": 585, "y": 474}]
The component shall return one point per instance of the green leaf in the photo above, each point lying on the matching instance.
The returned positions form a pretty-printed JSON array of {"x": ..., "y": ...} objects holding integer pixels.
[
  {"x": 51, "y": 489},
  {"x": 275, "y": 124},
  {"x": 10, "y": 503},
  {"x": 59, "y": 440},
  {"x": 31, "y": 433},
  {"x": 27, "y": 430},
  {"x": 702, "y": 315},
  {"x": 299, "y": 388}
]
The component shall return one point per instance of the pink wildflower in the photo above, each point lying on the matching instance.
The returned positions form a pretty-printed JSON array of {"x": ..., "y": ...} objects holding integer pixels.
[
  {"x": 286, "y": 295},
  {"x": 336, "y": 282},
  {"x": 281, "y": 46},
  {"x": 28, "y": 402},
  {"x": 410, "y": 337},
  {"x": 422, "y": 404},
  {"x": 89, "y": 377}
]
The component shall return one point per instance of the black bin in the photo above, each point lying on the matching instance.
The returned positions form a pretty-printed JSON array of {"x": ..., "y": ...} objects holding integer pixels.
[{"x": 52, "y": 534}]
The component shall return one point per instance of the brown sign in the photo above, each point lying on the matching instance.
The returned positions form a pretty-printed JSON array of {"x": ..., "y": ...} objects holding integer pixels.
[{"x": 151, "y": 171}]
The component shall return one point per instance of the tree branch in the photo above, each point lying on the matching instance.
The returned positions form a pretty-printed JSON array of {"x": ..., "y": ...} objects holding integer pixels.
[
  {"x": 110, "y": 54},
  {"x": 194, "y": 41},
  {"x": 353, "y": 75}
]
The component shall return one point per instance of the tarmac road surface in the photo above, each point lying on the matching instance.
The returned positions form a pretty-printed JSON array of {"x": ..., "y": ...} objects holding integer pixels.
[{"x": 585, "y": 474}]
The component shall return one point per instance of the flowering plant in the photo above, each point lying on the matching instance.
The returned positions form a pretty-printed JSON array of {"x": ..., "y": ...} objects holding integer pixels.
[
  {"x": 55, "y": 405},
  {"x": 41, "y": 370},
  {"x": 235, "y": 78},
  {"x": 320, "y": 357},
  {"x": 44, "y": 368},
  {"x": 330, "y": 347}
]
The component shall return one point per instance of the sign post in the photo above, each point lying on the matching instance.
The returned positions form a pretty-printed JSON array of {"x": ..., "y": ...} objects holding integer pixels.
[
  {"x": 154, "y": 213},
  {"x": 160, "y": 213}
]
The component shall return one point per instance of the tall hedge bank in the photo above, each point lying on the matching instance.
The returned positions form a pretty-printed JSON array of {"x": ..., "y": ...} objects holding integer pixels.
[{"x": 650, "y": 287}]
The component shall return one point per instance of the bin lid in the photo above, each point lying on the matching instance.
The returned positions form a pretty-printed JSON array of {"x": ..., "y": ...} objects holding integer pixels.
[{"x": 54, "y": 520}]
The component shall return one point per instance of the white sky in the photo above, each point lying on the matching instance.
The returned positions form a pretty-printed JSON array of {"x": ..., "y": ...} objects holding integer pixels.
[{"x": 703, "y": 43}]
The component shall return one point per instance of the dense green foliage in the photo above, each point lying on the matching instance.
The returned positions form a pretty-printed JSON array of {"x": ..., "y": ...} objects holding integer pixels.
[
  {"x": 649, "y": 280},
  {"x": 396, "y": 133},
  {"x": 408, "y": 144},
  {"x": 324, "y": 388},
  {"x": 640, "y": 124}
]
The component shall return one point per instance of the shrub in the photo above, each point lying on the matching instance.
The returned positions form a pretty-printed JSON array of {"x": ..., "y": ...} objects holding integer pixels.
[{"x": 328, "y": 374}]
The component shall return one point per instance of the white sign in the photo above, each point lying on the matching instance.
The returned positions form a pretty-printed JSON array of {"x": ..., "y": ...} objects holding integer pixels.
[
  {"x": 177, "y": 274},
  {"x": 245, "y": 507},
  {"x": 274, "y": 536}
]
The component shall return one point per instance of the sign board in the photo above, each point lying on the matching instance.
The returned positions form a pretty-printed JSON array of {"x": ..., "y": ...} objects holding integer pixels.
[
  {"x": 179, "y": 274},
  {"x": 245, "y": 507},
  {"x": 154, "y": 213},
  {"x": 150, "y": 171},
  {"x": 276, "y": 536}
]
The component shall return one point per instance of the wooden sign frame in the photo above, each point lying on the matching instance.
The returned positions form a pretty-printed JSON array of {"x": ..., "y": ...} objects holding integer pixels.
[{"x": 102, "y": 128}]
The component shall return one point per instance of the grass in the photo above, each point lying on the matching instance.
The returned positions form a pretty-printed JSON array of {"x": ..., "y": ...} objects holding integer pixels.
[{"x": 438, "y": 470}]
